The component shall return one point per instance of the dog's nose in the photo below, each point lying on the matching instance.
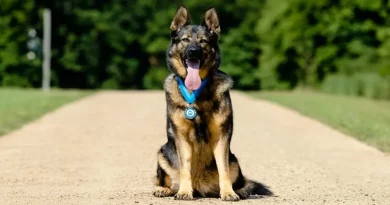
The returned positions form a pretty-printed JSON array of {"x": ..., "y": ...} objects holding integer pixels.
[{"x": 194, "y": 52}]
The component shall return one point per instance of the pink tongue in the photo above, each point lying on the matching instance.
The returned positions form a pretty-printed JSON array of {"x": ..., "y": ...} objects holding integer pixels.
[{"x": 192, "y": 80}]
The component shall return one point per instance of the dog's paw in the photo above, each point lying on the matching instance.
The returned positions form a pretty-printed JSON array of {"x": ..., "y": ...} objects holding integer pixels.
[
  {"x": 162, "y": 192},
  {"x": 184, "y": 195},
  {"x": 229, "y": 196}
]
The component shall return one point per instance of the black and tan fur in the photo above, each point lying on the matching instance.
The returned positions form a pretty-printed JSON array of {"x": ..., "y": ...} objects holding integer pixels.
[{"x": 196, "y": 160}]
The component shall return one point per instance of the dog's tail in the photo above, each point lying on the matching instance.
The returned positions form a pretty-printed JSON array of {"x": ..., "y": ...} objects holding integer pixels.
[{"x": 254, "y": 188}]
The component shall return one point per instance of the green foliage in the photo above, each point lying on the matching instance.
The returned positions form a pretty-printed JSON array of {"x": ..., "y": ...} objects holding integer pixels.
[
  {"x": 117, "y": 44},
  {"x": 15, "y": 21},
  {"x": 154, "y": 78},
  {"x": 304, "y": 41},
  {"x": 267, "y": 44}
]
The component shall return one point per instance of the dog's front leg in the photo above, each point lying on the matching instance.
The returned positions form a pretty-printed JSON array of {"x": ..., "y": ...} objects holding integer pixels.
[
  {"x": 184, "y": 152},
  {"x": 221, "y": 129},
  {"x": 221, "y": 154}
]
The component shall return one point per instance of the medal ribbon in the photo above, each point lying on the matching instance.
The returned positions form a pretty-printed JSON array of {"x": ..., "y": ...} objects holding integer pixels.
[{"x": 190, "y": 98}]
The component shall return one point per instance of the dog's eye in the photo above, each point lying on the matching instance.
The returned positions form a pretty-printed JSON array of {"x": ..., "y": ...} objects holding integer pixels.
[
  {"x": 203, "y": 41},
  {"x": 185, "y": 40}
]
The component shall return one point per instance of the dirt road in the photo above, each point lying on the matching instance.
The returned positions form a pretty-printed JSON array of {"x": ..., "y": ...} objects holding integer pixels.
[{"x": 101, "y": 150}]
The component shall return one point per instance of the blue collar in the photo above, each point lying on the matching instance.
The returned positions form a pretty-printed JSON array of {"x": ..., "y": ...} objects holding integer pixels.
[{"x": 190, "y": 98}]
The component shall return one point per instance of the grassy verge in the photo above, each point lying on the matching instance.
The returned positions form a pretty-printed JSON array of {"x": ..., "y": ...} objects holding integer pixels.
[
  {"x": 367, "y": 120},
  {"x": 19, "y": 106}
]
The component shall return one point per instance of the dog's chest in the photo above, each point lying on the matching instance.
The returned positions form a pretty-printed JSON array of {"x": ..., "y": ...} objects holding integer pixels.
[{"x": 198, "y": 129}]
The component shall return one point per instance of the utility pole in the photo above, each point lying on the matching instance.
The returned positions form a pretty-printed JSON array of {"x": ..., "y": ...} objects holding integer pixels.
[{"x": 46, "y": 49}]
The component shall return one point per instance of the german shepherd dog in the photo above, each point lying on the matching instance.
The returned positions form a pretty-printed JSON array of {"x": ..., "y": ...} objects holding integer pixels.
[{"x": 196, "y": 161}]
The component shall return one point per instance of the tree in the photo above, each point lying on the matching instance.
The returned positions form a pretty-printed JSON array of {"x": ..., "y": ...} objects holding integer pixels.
[{"x": 17, "y": 17}]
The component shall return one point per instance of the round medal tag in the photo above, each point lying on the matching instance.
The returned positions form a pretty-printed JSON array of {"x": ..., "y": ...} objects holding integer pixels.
[{"x": 190, "y": 113}]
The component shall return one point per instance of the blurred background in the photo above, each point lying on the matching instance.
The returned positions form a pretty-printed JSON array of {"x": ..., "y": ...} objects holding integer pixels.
[{"x": 334, "y": 46}]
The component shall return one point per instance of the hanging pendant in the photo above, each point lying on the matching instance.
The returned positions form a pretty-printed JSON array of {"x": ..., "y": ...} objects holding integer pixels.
[{"x": 190, "y": 113}]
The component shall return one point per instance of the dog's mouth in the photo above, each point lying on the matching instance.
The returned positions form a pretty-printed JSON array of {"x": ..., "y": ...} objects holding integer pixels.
[
  {"x": 192, "y": 80},
  {"x": 192, "y": 62}
]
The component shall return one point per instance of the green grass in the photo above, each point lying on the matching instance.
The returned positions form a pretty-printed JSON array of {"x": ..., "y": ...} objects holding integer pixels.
[
  {"x": 19, "y": 106},
  {"x": 366, "y": 119}
]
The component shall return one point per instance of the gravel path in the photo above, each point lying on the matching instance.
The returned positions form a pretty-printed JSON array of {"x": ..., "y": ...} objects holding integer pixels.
[{"x": 102, "y": 150}]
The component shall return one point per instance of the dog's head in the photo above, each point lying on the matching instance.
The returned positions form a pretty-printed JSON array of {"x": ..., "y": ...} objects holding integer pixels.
[{"x": 194, "y": 50}]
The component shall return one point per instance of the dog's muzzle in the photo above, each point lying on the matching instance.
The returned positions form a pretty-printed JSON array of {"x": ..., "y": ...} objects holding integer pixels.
[{"x": 194, "y": 52}]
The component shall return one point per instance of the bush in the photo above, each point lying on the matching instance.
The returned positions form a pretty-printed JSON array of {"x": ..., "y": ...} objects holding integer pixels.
[
  {"x": 15, "y": 81},
  {"x": 304, "y": 42},
  {"x": 154, "y": 79},
  {"x": 370, "y": 85}
]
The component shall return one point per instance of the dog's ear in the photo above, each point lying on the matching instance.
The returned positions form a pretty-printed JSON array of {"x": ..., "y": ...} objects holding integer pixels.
[
  {"x": 211, "y": 21},
  {"x": 182, "y": 18}
]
